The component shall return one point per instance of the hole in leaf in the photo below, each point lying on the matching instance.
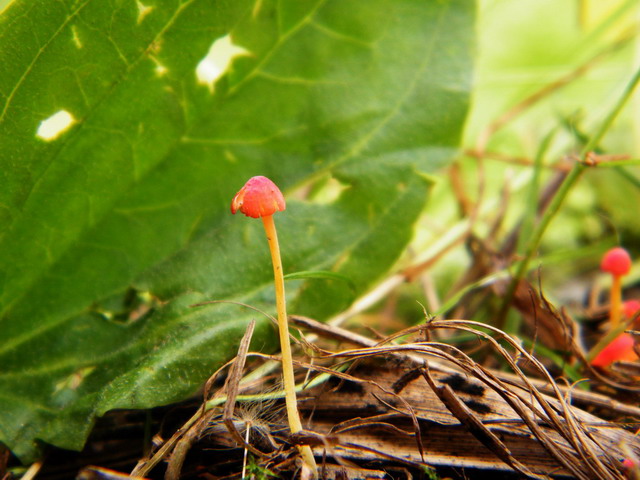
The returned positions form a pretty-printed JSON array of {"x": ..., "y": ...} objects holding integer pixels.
[
  {"x": 143, "y": 11},
  {"x": 73, "y": 381},
  {"x": 65, "y": 391},
  {"x": 326, "y": 191},
  {"x": 55, "y": 125},
  {"x": 160, "y": 69},
  {"x": 218, "y": 60},
  {"x": 127, "y": 307},
  {"x": 75, "y": 37}
]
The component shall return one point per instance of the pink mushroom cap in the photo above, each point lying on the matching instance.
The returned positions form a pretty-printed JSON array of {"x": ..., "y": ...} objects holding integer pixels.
[
  {"x": 259, "y": 197},
  {"x": 616, "y": 261},
  {"x": 630, "y": 308},
  {"x": 620, "y": 349}
]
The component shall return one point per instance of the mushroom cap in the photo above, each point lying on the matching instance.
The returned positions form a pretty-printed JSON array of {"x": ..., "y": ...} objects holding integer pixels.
[
  {"x": 620, "y": 349},
  {"x": 616, "y": 261},
  {"x": 259, "y": 197},
  {"x": 630, "y": 308}
]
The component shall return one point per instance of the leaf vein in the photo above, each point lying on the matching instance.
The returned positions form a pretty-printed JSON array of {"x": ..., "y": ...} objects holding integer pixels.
[
  {"x": 276, "y": 46},
  {"x": 360, "y": 144},
  {"x": 36, "y": 58}
]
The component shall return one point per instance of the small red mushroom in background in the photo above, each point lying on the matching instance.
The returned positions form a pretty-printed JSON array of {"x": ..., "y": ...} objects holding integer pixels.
[
  {"x": 631, "y": 468},
  {"x": 630, "y": 309},
  {"x": 617, "y": 262},
  {"x": 621, "y": 348}
]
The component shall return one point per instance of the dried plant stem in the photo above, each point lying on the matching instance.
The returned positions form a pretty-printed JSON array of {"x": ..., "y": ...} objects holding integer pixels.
[{"x": 295, "y": 424}]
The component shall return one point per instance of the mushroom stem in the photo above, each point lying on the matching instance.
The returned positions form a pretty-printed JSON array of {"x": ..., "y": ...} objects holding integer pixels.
[
  {"x": 617, "y": 262},
  {"x": 616, "y": 302},
  {"x": 295, "y": 425}
]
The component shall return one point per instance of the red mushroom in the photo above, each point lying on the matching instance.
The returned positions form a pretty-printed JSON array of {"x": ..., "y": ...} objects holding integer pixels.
[
  {"x": 630, "y": 309},
  {"x": 261, "y": 198},
  {"x": 630, "y": 467},
  {"x": 617, "y": 262},
  {"x": 621, "y": 349}
]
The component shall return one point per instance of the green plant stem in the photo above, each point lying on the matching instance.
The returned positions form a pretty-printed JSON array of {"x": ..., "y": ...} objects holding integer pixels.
[
  {"x": 628, "y": 176},
  {"x": 527, "y": 227},
  {"x": 629, "y": 162},
  {"x": 568, "y": 184},
  {"x": 291, "y": 402}
]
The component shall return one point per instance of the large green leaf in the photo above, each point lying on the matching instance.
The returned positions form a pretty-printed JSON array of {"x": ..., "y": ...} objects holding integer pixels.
[{"x": 114, "y": 226}]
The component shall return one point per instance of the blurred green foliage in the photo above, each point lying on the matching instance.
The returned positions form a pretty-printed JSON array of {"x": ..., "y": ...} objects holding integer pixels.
[{"x": 578, "y": 56}]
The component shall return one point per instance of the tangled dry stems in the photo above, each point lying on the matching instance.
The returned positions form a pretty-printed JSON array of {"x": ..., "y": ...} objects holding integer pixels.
[{"x": 567, "y": 434}]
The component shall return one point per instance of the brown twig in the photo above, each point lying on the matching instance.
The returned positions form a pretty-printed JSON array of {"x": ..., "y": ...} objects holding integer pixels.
[{"x": 490, "y": 440}]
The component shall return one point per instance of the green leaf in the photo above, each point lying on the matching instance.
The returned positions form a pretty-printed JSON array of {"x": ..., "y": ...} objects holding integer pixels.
[
  {"x": 325, "y": 275},
  {"x": 114, "y": 226}
]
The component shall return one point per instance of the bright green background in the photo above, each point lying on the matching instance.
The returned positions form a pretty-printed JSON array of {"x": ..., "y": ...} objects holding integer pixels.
[
  {"x": 128, "y": 210},
  {"x": 523, "y": 47}
]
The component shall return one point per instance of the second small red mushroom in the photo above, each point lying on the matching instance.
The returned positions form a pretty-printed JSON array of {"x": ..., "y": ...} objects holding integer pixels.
[
  {"x": 617, "y": 262},
  {"x": 621, "y": 348}
]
